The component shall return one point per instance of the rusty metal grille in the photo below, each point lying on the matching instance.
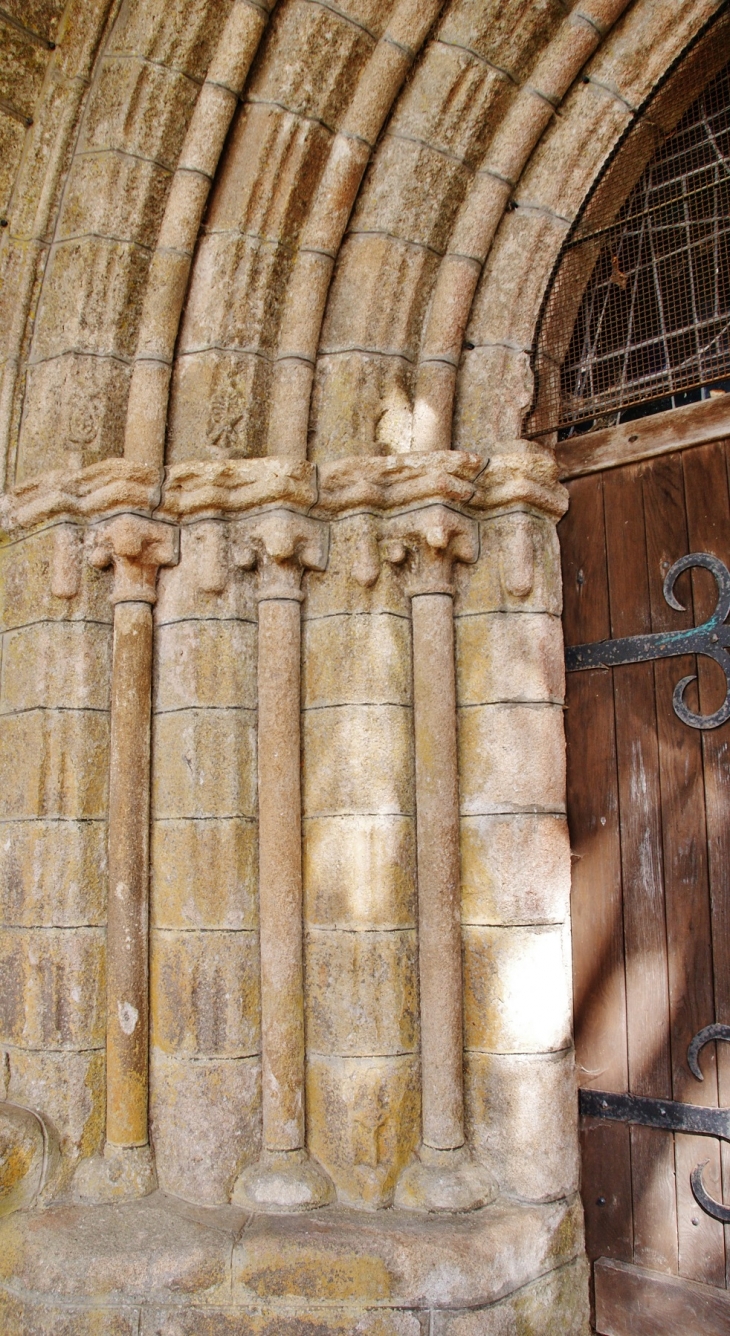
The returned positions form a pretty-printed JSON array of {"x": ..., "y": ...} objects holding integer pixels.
[{"x": 651, "y": 325}]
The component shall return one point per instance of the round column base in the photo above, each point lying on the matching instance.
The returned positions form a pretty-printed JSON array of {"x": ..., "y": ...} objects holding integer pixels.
[
  {"x": 30, "y": 1158},
  {"x": 444, "y": 1180},
  {"x": 121, "y": 1173},
  {"x": 284, "y": 1181}
]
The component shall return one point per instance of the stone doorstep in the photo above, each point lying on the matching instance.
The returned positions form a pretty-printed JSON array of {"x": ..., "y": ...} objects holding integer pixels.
[
  {"x": 554, "y": 1305},
  {"x": 162, "y": 1251}
]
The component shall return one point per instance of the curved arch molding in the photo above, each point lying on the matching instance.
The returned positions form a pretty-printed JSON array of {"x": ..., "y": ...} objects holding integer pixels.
[{"x": 377, "y": 194}]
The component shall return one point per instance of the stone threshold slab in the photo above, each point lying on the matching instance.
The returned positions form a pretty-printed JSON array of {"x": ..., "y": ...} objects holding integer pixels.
[{"x": 162, "y": 1251}]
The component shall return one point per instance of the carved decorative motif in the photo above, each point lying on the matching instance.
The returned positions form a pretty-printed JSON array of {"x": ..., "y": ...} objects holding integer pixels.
[
  {"x": 68, "y": 556},
  {"x": 517, "y": 557},
  {"x": 89, "y": 493},
  {"x": 226, "y": 415},
  {"x": 82, "y": 424},
  {"x": 425, "y": 544},
  {"x": 523, "y": 477},
  {"x": 281, "y": 545},
  {"x": 136, "y": 548},
  {"x": 211, "y": 555},
  {"x": 230, "y": 487}
]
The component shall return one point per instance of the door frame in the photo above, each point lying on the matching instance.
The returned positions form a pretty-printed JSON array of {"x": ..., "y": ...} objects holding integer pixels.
[{"x": 630, "y": 442}]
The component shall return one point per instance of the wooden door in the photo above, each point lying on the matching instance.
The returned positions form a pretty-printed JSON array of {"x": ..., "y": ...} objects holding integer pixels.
[{"x": 649, "y": 814}]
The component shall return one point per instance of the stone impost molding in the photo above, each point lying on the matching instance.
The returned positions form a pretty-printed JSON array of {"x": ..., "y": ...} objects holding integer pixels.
[
  {"x": 281, "y": 546},
  {"x": 425, "y": 544},
  {"x": 523, "y": 475},
  {"x": 113, "y": 485},
  {"x": 136, "y": 548},
  {"x": 200, "y": 488},
  {"x": 389, "y": 482}
]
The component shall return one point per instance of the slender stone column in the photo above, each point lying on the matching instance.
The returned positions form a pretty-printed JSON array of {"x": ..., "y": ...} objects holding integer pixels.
[
  {"x": 281, "y": 546},
  {"x": 136, "y": 548},
  {"x": 426, "y": 544},
  {"x": 127, "y": 911},
  {"x": 280, "y": 873},
  {"x": 439, "y": 882}
]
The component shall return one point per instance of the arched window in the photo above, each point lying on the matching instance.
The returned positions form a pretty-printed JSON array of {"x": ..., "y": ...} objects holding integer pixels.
[{"x": 637, "y": 315}]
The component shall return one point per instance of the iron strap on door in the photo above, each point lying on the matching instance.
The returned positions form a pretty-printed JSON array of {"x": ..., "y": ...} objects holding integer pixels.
[
  {"x": 671, "y": 1115},
  {"x": 712, "y": 639}
]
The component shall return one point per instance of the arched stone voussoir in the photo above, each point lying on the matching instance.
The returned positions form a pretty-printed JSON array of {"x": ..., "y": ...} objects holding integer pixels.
[
  {"x": 144, "y": 90},
  {"x": 448, "y": 113},
  {"x": 437, "y": 168},
  {"x": 33, "y": 183},
  {"x": 323, "y": 86}
]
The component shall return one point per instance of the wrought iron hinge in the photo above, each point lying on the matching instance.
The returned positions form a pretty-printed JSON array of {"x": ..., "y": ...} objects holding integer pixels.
[
  {"x": 712, "y": 638},
  {"x": 670, "y": 1116}
]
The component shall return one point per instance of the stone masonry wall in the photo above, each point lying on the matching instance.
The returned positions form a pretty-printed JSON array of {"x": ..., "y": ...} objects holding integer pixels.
[
  {"x": 54, "y": 726},
  {"x": 515, "y": 863},
  {"x": 359, "y": 877},
  {"x": 205, "y": 1024}
]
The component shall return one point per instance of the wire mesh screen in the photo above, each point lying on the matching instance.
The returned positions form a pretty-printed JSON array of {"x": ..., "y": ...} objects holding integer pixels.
[{"x": 639, "y": 309}]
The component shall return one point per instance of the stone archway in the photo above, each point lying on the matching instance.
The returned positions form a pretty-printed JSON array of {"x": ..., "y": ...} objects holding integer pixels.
[{"x": 246, "y": 336}]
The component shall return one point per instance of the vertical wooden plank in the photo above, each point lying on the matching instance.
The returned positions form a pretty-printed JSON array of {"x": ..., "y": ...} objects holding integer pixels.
[
  {"x": 598, "y": 956},
  {"x": 708, "y": 516},
  {"x": 647, "y": 993},
  {"x": 599, "y": 979},
  {"x": 686, "y": 888}
]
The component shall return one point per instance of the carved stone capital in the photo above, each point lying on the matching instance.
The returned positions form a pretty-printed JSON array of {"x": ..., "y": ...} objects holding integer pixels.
[
  {"x": 136, "y": 548},
  {"x": 425, "y": 544},
  {"x": 281, "y": 545}
]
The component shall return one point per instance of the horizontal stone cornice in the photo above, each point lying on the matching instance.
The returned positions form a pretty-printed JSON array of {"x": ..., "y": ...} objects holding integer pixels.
[{"x": 522, "y": 476}]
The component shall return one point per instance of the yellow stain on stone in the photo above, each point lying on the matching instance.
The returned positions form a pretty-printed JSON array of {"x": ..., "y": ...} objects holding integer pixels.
[{"x": 314, "y": 1274}]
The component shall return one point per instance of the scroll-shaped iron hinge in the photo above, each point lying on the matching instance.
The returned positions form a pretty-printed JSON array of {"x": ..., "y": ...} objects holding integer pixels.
[
  {"x": 712, "y": 638},
  {"x": 671, "y": 1116}
]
